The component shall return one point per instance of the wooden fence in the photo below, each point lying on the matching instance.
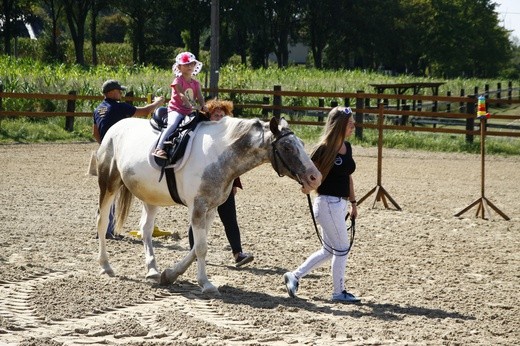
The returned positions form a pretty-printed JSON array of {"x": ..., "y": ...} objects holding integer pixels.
[
  {"x": 402, "y": 112},
  {"x": 367, "y": 107}
]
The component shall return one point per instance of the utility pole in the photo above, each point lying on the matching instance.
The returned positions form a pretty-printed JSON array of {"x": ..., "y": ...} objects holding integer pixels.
[{"x": 214, "y": 49}]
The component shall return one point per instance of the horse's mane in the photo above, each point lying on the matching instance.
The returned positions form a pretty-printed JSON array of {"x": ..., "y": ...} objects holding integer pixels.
[{"x": 237, "y": 128}]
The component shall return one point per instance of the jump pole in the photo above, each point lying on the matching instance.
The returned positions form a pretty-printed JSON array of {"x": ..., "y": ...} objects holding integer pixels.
[
  {"x": 482, "y": 203},
  {"x": 381, "y": 193}
]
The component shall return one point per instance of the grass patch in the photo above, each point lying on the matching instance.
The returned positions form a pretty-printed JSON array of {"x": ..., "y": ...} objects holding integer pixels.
[{"x": 28, "y": 130}]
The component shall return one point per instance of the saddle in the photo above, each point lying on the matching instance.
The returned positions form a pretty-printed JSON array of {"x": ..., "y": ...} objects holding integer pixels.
[{"x": 175, "y": 145}]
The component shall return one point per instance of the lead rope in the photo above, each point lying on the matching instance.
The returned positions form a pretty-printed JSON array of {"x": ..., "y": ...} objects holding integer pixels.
[{"x": 326, "y": 246}]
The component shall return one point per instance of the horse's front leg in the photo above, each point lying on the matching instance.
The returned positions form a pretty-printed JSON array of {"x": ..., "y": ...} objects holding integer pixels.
[
  {"x": 200, "y": 240},
  {"x": 200, "y": 225},
  {"x": 146, "y": 226},
  {"x": 170, "y": 275}
]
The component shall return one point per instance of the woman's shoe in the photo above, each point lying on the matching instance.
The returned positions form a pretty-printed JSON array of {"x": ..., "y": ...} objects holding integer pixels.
[
  {"x": 243, "y": 258},
  {"x": 345, "y": 297},
  {"x": 291, "y": 283}
]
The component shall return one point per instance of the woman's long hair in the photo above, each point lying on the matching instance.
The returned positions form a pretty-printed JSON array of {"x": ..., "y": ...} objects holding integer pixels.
[{"x": 332, "y": 137}]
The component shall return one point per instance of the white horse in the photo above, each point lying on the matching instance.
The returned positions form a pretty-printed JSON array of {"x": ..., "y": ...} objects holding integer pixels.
[{"x": 220, "y": 152}]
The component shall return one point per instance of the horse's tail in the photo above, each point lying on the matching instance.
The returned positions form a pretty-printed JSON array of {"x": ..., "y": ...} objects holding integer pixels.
[
  {"x": 92, "y": 167},
  {"x": 124, "y": 202}
]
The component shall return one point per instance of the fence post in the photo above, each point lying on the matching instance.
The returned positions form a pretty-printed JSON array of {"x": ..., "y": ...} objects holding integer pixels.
[
  {"x": 498, "y": 94},
  {"x": 265, "y": 111},
  {"x": 129, "y": 94},
  {"x": 462, "y": 105},
  {"x": 358, "y": 117},
  {"x": 470, "y": 122},
  {"x": 486, "y": 91},
  {"x": 71, "y": 107},
  {"x": 333, "y": 104},
  {"x": 237, "y": 111},
  {"x": 277, "y": 102},
  {"x": 448, "y": 105},
  {"x": 435, "y": 105},
  {"x": 321, "y": 103},
  {"x": 404, "y": 118},
  {"x": 510, "y": 90}
]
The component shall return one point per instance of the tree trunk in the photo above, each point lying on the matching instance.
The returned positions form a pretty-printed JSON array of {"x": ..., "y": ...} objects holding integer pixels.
[
  {"x": 8, "y": 5},
  {"x": 93, "y": 34}
]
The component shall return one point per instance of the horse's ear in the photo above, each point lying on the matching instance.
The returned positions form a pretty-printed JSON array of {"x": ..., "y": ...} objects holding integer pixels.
[
  {"x": 273, "y": 126},
  {"x": 283, "y": 123}
]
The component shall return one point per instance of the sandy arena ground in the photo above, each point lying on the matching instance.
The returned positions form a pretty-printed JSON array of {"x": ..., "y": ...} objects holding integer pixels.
[{"x": 425, "y": 276}]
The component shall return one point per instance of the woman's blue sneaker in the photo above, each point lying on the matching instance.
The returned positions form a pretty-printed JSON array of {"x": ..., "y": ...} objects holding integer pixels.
[{"x": 345, "y": 297}]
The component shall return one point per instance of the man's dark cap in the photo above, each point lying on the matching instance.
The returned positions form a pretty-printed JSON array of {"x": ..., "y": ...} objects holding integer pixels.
[{"x": 112, "y": 84}]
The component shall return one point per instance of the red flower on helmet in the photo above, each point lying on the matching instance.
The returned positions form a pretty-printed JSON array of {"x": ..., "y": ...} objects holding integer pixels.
[{"x": 185, "y": 58}]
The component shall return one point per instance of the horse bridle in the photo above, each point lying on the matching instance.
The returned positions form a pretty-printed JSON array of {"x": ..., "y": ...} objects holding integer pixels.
[{"x": 276, "y": 155}]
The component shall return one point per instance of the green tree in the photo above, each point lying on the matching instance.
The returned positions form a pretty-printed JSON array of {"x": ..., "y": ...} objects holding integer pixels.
[
  {"x": 259, "y": 36},
  {"x": 317, "y": 29},
  {"x": 12, "y": 11},
  {"x": 194, "y": 17},
  {"x": 410, "y": 40},
  {"x": 96, "y": 8},
  {"x": 467, "y": 39},
  {"x": 54, "y": 11},
  {"x": 235, "y": 18},
  {"x": 141, "y": 14},
  {"x": 282, "y": 17},
  {"x": 76, "y": 12}
]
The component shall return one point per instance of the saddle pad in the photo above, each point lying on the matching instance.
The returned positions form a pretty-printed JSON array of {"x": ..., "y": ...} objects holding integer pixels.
[{"x": 180, "y": 163}]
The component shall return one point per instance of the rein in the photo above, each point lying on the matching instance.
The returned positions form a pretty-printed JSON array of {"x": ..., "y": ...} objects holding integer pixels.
[
  {"x": 333, "y": 251},
  {"x": 352, "y": 227}
]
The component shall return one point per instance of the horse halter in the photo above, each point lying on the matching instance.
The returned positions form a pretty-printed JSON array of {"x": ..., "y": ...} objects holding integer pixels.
[{"x": 277, "y": 155}]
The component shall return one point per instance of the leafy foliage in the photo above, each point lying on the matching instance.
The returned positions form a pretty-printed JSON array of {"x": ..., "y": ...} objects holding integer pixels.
[
  {"x": 441, "y": 38},
  {"x": 31, "y": 76}
]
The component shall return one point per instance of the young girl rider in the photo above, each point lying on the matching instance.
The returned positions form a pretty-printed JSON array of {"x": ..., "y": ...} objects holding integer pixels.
[{"x": 186, "y": 94}]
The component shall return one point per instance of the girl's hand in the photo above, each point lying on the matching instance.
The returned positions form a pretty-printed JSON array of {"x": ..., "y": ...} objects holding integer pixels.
[
  {"x": 185, "y": 100},
  {"x": 353, "y": 211}
]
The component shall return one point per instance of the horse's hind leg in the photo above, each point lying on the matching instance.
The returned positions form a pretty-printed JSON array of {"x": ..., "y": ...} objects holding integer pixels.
[
  {"x": 109, "y": 181},
  {"x": 102, "y": 224},
  {"x": 146, "y": 225}
]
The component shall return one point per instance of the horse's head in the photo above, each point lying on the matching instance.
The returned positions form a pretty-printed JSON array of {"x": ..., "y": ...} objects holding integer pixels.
[{"x": 288, "y": 156}]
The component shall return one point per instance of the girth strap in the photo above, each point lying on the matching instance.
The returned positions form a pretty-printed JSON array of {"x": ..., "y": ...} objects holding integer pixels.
[{"x": 172, "y": 185}]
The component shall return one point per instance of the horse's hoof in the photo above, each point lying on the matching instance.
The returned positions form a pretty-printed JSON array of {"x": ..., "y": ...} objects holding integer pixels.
[
  {"x": 209, "y": 288},
  {"x": 168, "y": 277},
  {"x": 153, "y": 275},
  {"x": 107, "y": 271}
]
